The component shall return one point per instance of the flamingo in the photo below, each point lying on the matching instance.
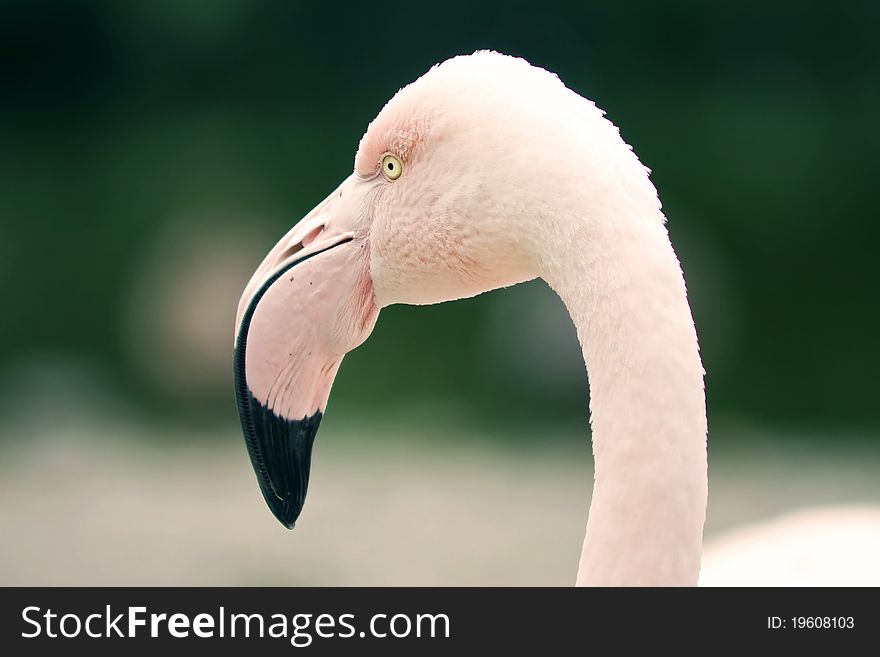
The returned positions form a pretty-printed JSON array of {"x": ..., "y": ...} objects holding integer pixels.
[{"x": 484, "y": 173}]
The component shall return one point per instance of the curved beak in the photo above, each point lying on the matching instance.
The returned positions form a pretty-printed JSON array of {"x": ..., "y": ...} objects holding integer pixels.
[{"x": 308, "y": 304}]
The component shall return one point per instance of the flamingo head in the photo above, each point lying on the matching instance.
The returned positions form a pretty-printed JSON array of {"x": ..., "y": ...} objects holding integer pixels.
[{"x": 440, "y": 206}]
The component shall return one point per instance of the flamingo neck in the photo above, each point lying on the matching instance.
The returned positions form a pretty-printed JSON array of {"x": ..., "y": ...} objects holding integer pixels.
[{"x": 621, "y": 281}]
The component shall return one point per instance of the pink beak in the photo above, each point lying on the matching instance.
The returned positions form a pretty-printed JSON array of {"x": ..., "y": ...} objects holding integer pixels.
[{"x": 308, "y": 304}]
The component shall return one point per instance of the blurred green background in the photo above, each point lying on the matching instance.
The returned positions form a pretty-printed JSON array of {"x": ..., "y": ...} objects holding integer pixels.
[{"x": 151, "y": 153}]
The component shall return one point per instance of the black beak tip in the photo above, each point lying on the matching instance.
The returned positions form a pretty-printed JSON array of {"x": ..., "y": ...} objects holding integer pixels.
[
  {"x": 280, "y": 450},
  {"x": 281, "y": 453}
]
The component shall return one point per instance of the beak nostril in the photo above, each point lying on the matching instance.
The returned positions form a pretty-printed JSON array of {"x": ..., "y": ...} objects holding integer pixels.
[
  {"x": 312, "y": 236},
  {"x": 293, "y": 249}
]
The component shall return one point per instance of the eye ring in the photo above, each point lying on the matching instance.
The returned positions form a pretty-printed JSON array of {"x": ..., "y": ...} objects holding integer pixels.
[{"x": 392, "y": 167}]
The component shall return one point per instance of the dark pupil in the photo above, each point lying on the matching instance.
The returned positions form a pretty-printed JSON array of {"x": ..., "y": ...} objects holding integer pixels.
[{"x": 390, "y": 166}]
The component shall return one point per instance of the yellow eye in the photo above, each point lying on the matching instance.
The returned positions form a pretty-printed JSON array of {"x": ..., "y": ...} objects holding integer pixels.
[{"x": 391, "y": 166}]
